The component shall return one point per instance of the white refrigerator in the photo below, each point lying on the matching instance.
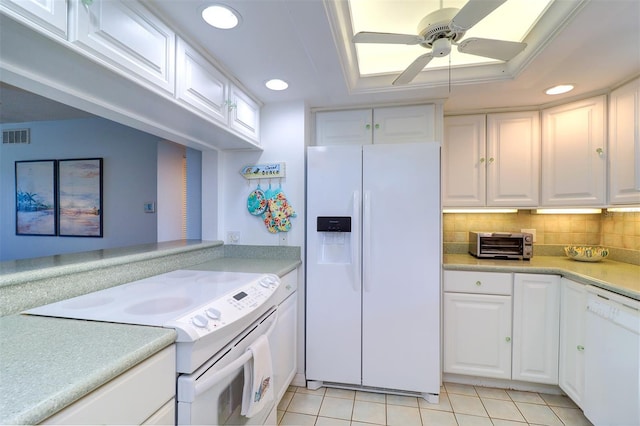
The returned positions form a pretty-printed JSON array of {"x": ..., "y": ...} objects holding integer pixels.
[{"x": 374, "y": 267}]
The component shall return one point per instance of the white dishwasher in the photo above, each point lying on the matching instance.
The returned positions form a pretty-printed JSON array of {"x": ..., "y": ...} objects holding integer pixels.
[{"x": 612, "y": 359}]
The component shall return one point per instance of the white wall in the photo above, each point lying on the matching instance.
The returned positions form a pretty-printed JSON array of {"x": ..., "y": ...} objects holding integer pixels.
[
  {"x": 169, "y": 207},
  {"x": 129, "y": 179},
  {"x": 283, "y": 138}
]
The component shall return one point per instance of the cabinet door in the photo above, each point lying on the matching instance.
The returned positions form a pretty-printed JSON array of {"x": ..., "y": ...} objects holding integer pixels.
[
  {"x": 404, "y": 124},
  {"x": 201, "y": 85},
  {"x": 50, "y": 15},
  {"x": 624, "y": 144},
  {"x": 574, "y": 154},
  {"x": 344, "y": 127},
  {"x": 244, "y": 115},
  {"x": 513, "y": 159},
  {"x": 127, "y": 36},
  {"x": 283, "y": 343},
  {"x": 573, "y": 305},
  {"x": 536, "y": 318},
  {"x": 463, "y": 161},
  {"x": 477, "y": 335}
]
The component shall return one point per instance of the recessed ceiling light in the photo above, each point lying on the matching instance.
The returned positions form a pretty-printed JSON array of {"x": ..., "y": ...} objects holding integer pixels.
[
  {"x": 222, "y": 17},
  {"x": 276, "y": 84},
  {"x": 559, "y": 89}
]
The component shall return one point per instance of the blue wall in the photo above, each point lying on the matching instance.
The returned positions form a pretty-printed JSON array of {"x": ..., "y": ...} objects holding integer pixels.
[{"x": 129, "y": 180}]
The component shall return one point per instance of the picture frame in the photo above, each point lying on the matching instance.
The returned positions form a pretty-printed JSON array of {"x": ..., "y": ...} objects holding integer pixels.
[
  {"x": 36, "y": 197},
  {"x": 80, "y": 212}
]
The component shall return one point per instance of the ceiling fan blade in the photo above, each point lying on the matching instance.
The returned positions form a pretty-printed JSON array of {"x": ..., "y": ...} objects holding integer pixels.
[
  {"x": 473, "y": 12},
  {"x": 388, "y": 38},
  {"x": 412, "y": 70},
  {"x": 495, "y": 49}
]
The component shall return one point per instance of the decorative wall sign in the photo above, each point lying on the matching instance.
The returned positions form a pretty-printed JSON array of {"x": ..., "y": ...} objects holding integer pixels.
[
  {"x": 264, "y": 171},
  {"x": 36, "y": 197},
  {"x": 80, "y": 197}
]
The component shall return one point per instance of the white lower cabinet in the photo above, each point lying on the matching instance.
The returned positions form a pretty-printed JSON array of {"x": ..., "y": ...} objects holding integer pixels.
[
  {"x": 536, "y": 315},
  {"x": 573, "y": 306},
  {"x": 477, "y": 323},
  {"x": 483, "y": 337},
  {"x": 142, "y": 395}
]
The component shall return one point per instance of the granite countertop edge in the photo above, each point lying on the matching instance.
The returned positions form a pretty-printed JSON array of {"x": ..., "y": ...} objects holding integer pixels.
[
  {"x": 622, "y": 285},
  {"x": 11, "y": 273}
]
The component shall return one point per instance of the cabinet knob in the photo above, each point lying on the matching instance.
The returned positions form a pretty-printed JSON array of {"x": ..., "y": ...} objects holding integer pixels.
[
  {"x": 368, "y": 126},
  {"x": 481, "y": 160},
  {"x": 490, "y": 160},
  {"x": 377, "y": 126},
  {"x": 600, "y": 151},
  {"x": 507, "y": 339},
  {"x": 580, "y": 348},
  {"x": 478, "y": 283}
]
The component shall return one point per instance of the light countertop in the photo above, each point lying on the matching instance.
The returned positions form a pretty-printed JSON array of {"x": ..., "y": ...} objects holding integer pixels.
[
  {"x": 619, "y": 277},
  {"x": 47, "y": 364}
]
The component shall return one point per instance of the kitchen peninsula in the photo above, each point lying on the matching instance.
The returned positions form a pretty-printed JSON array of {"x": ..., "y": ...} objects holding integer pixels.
[{"x": 49, "y": 363}]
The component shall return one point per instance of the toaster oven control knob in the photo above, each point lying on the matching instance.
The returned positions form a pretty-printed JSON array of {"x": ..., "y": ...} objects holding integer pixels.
[
  {"x": 212, "y": 313},
  {"x": 199, "y": 321},
  {"x": 528, "y": 238}
]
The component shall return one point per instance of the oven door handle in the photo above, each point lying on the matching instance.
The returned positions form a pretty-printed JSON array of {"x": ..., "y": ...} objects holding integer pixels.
[{"x": 206, "y": 384}]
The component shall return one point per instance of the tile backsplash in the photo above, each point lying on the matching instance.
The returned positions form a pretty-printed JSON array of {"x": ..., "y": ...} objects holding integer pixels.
[{"x": 613, "y": 230}]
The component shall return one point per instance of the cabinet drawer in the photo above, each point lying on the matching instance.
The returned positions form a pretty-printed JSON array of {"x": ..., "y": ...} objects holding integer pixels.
[{"x": 478, "y": 282}]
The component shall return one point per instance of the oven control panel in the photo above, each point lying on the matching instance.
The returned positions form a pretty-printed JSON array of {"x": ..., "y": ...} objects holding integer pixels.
[{"x": 229, "y": 308}]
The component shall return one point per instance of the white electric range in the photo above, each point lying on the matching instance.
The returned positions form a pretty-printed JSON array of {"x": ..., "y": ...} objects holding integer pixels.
[{"x": 208, "y": 309}]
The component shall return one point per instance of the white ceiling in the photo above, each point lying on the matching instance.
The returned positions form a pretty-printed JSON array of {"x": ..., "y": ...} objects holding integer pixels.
[
  {"x": 307, "y": 43},
  {"x": 295, "y": 40}
]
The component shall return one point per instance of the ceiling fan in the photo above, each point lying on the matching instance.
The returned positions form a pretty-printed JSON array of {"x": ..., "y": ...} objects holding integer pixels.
[{"x": 445, "y": 27}]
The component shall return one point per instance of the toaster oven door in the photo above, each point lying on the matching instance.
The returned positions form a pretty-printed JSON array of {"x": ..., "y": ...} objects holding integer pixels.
[{"x": 497, "y": 246}]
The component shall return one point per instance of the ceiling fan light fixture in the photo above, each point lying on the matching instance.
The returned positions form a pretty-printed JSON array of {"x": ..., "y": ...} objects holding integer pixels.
[
  {"x": 559, "y": 89},
  {"x": 221, "y": 17},
  {"x": 276, "y": 84}
]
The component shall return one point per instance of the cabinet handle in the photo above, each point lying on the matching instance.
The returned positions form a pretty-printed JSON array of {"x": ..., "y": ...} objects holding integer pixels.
[
  {"x": 478, "y": 283},
  {"x": 368, "y": 126},
  {"x": 490, "y": 160},
  {"x": 507, "y": 339},
  {"x": 377, "y": 126},
  {"x": 580, "y": 348},
  {"x": 230, "y": 105},
  {"x": 481, "y": 160},
  {"x": 600, "y": 151}
]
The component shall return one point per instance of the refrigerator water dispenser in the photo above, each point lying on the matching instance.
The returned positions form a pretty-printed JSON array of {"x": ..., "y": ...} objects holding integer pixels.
[{"x": 334, "y": 239}]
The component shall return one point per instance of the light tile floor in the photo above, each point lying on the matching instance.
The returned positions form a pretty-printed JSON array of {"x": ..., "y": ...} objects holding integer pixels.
[{"x": 460, "y": 405}]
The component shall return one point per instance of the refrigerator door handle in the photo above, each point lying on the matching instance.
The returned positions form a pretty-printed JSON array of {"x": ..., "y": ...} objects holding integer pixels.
[
  {"x": 355, "y": 243},
  {"x": 366, "y": 239}
]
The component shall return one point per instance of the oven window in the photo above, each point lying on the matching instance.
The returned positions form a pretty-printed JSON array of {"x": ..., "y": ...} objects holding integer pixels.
[{"x": 498, "y": 245}]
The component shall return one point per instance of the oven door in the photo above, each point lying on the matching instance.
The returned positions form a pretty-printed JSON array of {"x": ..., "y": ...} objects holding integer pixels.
[{"x": 212, "y": 395}]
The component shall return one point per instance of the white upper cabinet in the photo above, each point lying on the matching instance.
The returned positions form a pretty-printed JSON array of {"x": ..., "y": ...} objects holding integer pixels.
[
  {"x": 463, "y": 161},
  {"x": 127, "y": 36},
  {"x": 50, "y": 15},
  {"x": 379, "y": 125},
  {"x": 513, "y": 159},
  {"x": 624, "y": 144},
  {"x": 343, "y": 127},
  {"x": 491, "y": 160},
  {"x": 574, "y": 154},
  {"x": 200, "y": 84},
  {"x": 244, "y": 114},
  {"x": 404, "y": 124}
]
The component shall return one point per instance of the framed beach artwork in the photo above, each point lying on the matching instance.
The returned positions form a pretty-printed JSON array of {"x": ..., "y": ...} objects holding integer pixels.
[
  {"x": 80, "y": 197},
  {"x": 36, "y": 197}
]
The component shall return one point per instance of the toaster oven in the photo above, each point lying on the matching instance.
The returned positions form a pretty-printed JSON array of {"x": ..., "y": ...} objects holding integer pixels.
[{"x": 501, "y": 245}]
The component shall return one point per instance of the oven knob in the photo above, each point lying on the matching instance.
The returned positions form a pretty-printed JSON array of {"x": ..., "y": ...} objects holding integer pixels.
[
  {"x": 199, "y": 321},
  {"x": 212, "y": 313},
  {"x": 528, "y": 238}
]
